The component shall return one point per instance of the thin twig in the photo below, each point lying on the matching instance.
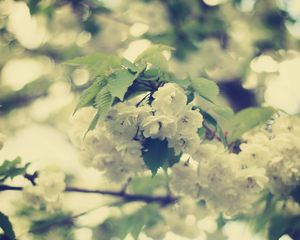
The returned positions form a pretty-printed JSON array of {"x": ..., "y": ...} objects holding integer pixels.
[
  {"x": 212, "y": 133},
  {"x": 124, "y": 188},
  {"x": 31, "y": 177},
  {"x": 143, "y": 99},
  {"x": 127, "y": 197},
  {"x": 10, "y": 188}
]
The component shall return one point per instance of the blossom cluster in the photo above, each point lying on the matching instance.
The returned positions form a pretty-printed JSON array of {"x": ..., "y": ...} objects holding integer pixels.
[
  {"x": 216, "y": 176},
  {"x": 227, "y": 182},
  {"x": 278, "y": 152},
  {"x": 231, "y": 182},
  {"x": 115, "y": 145}
]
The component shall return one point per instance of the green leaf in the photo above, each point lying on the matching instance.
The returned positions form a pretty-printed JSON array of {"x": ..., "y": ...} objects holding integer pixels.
[
  {"x": 156, "y": 154},
  {"x": 154, "y": 55},
  {"x": 49, "y": 223},
  {"x": 201, "y": 132},
  {"x": 114, "y": 227},
  {"x": 221, "y": 114},
  {"x": 146, "y": 184},
  {"x": 129, "y": 65},
  {"x": 119, "y": 82},
  {"x": 11, "y": 169},
  {"x": 144, "y": 217},
  {"x": 284, "y": 224},
  {"x": 262, "y": 218},
  {"x": 222, "y": 136},
  {"x": 87, "y": 96},
  {"x": 97, "y": 64},
  {"x": 170, "y": 77},
  {"x": 216, "y": 127},
  {"x": 141, "y": 67},
  {"x": 7, "y": 228},
  {"x": 93, "y": 123},
  {"x": 205, "y": 88},
  {"x": 147, "y": 216},
  {"x": 103, "y": 102},
  {"x": 151, "y": 74},
  {"x": 247, "y": 119}
]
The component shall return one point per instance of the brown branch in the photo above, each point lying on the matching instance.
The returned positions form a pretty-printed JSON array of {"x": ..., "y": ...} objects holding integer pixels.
[
  {"x": 143, "y": 99},
  {"x": 10, "y": 188},
  {"x": 126, "y": 197},
  {"x": 31, "y": 177},
  {"x": 212, "y": 133}
]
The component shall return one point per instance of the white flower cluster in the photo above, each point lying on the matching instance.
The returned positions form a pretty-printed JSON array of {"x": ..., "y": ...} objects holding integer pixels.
[
  {"x": 217, "y": 177},
  {"x": 112, "y": 147},
  {"x": 278, "y": 153},
  {"x": 230, "y": 182},
  {"x": 174, "y": 120},
  {"x": 115, "y": 145},
  {"x": 227, "y": 182},
  {"x": 47, "y": 192}
]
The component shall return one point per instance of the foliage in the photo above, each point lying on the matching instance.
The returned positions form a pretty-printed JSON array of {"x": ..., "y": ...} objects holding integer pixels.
[
  {"x": 280, "y": 225},
  {"x": 247, "y": 119},
  {"x": 46, "y": 224},
  {"x": 7, "y": 228},
  {"x": 147, "y": 185},
  {"x": 145, "y": 217},
  {"x": 12, "y": 169},
  {"x": 156, "y": 154}
]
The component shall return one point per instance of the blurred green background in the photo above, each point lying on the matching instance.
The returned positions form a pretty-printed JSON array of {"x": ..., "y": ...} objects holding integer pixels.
[{"x": 249, "y": 47}]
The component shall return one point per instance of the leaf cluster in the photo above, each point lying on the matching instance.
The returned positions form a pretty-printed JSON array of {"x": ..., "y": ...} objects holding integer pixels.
[{"x": 12, "y": 169}]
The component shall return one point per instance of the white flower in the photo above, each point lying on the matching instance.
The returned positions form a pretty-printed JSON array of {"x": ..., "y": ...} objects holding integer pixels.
[
  {"x": 52, "y": 184},
  {"x": 278, "y": 154},
  {"x": 186, "y": 143},
  {"x": 190, "y": 120},
  {"x": 159, "y": 126},
  {"x": 253, "y": 178},
  {"x": 286, "y": 124},
  {"x": 254, "y": 155},
  {"x": 98, "y": 140},
  {"x": 207, "y": 151},
  {"x": 185, "y": 179},
  {"x": 226, "y": 187},
  {"x": 100, "y": 159},
  {"x": 169, "y": 100},
  {"x": 218, "y": 172},
  {"x": 122, "y": 120},
  {"x": 129, "y": 149},
  {"x": 284, "y": 170},
  {"x": 258, "y": 138},
  {"x": 115, "y": 168}
]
